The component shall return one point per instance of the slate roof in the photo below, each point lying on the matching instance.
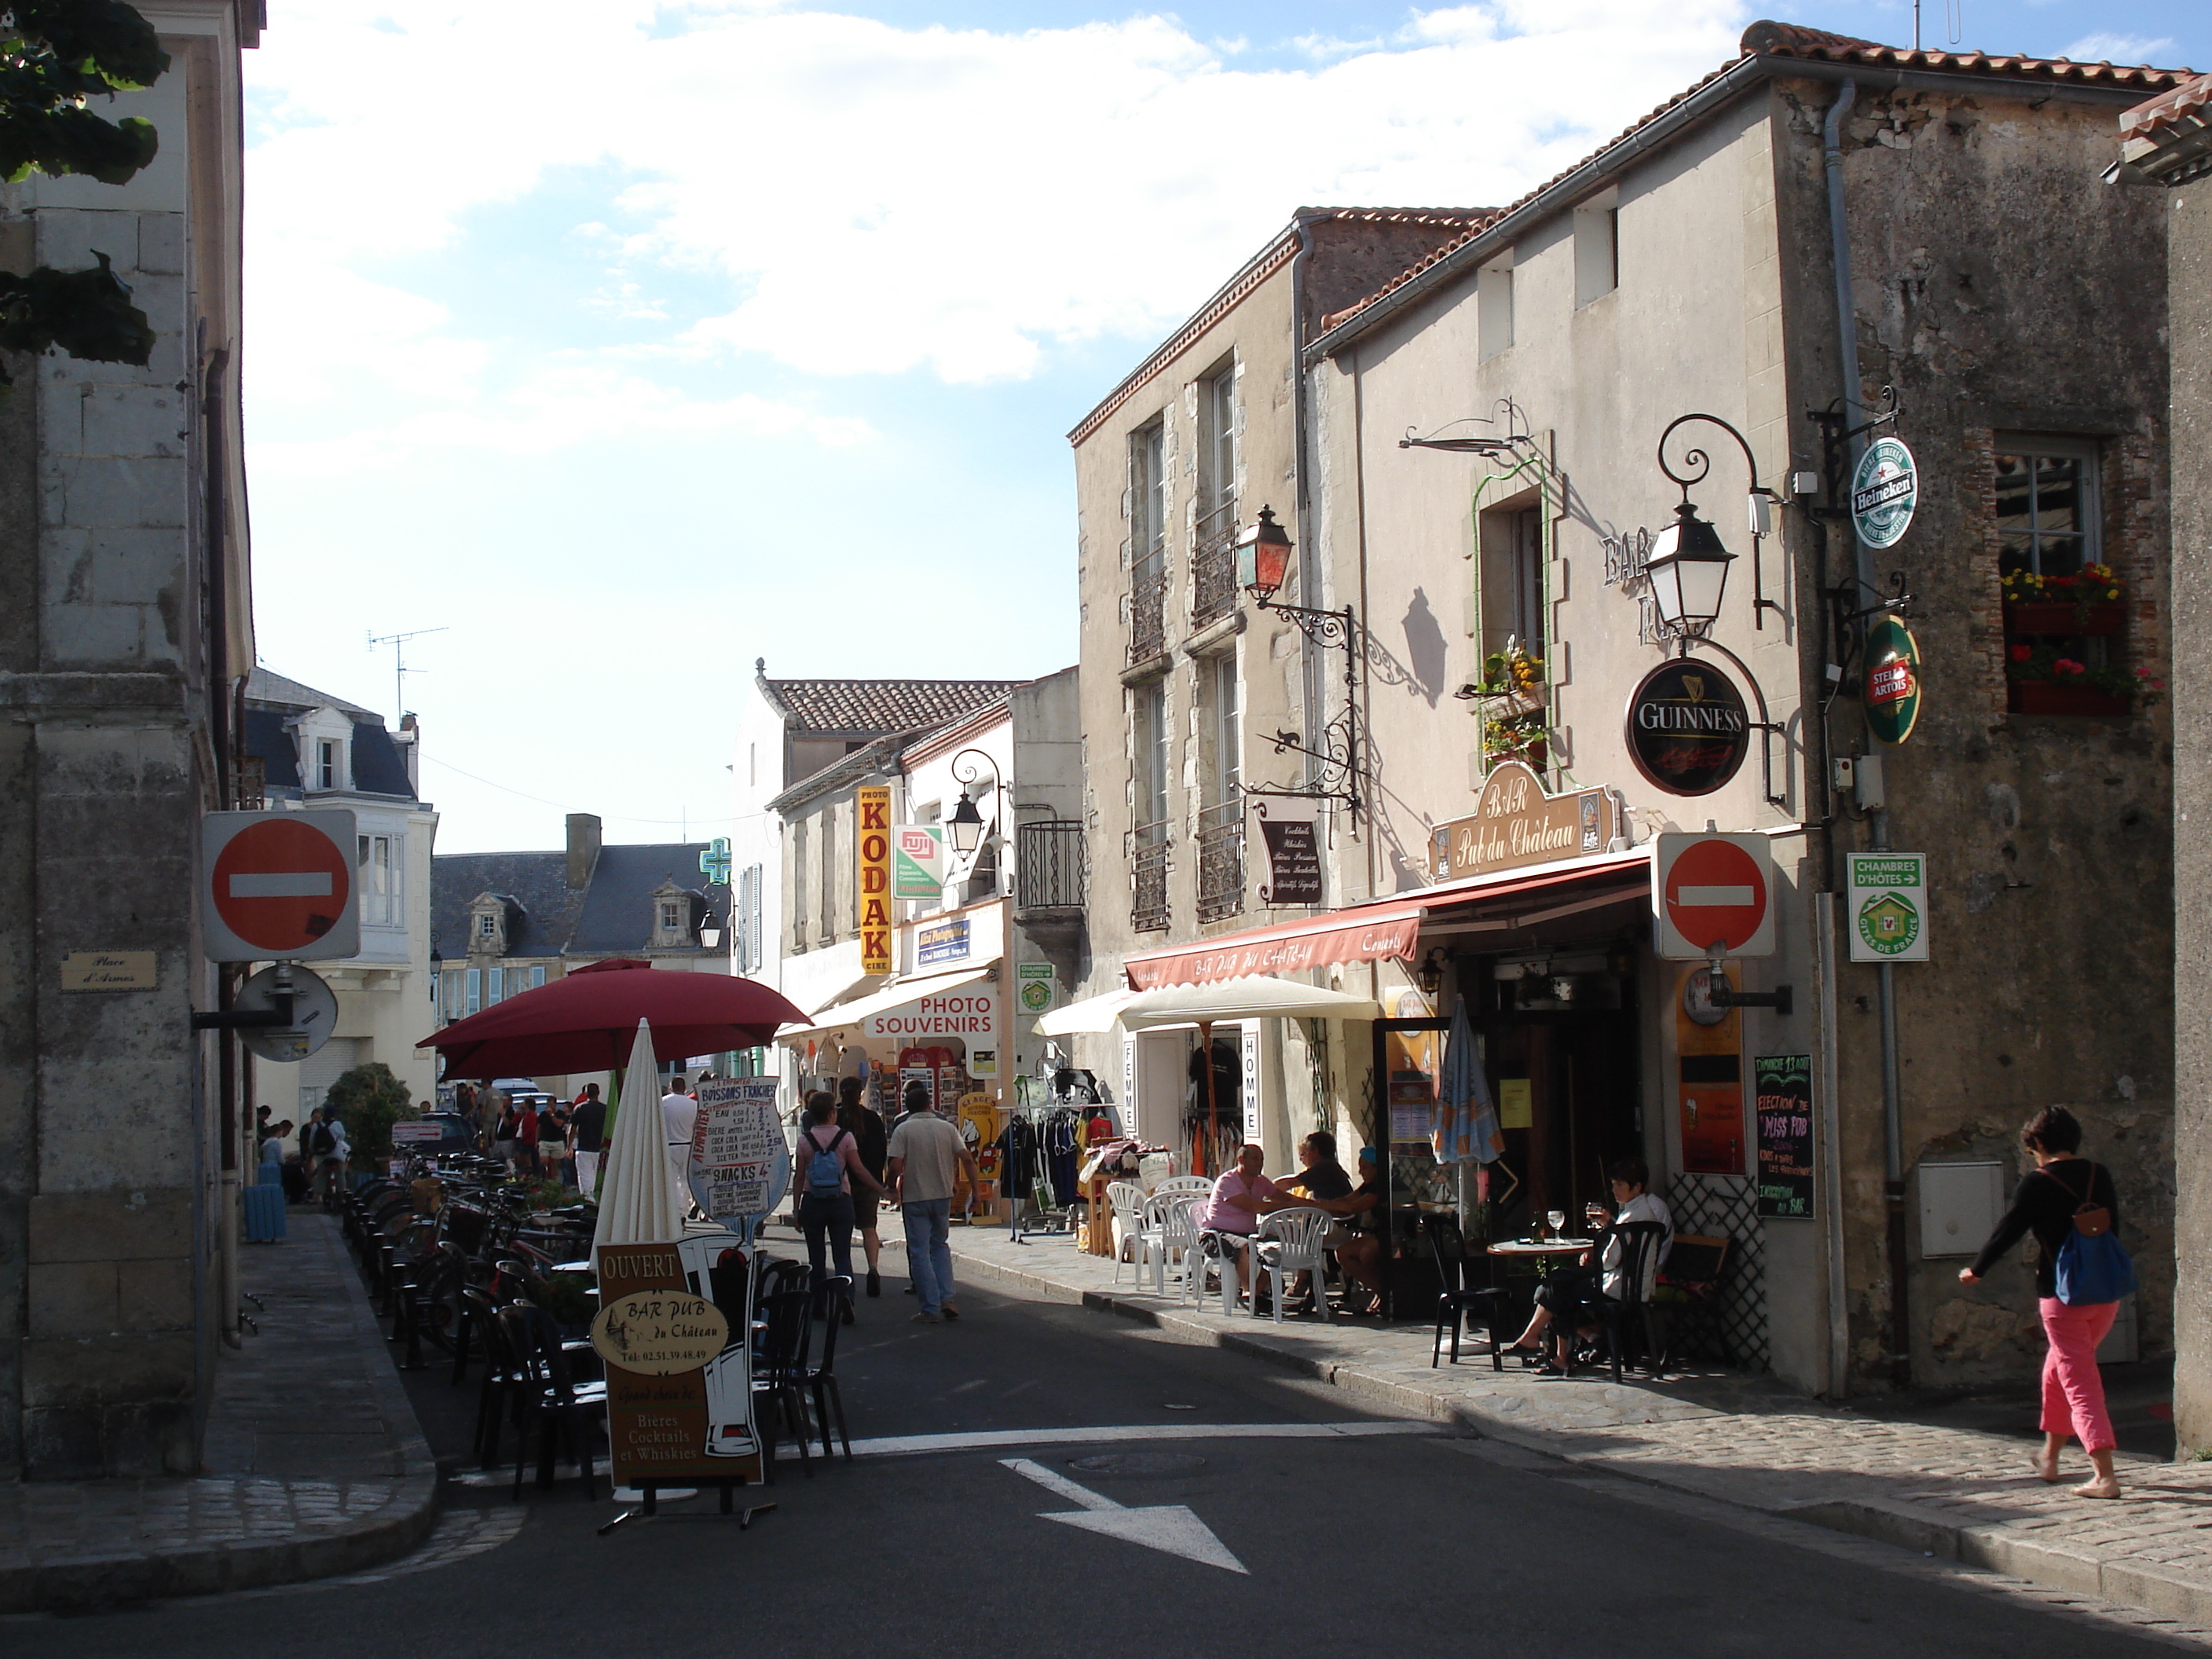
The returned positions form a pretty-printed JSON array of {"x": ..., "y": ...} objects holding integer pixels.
[
  {"x": 869, "y": 709},
  {"x": 375, "y": 761},
  {"x": 1767, "y": 40},
  {"x": 610, "y": 916}
]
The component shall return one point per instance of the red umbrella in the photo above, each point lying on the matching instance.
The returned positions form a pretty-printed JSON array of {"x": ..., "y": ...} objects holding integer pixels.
[{"x": 587, "y": 1021}]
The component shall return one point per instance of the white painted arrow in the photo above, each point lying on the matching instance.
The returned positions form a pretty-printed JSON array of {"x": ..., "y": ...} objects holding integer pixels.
[{"x": 1168, "y": 1527}]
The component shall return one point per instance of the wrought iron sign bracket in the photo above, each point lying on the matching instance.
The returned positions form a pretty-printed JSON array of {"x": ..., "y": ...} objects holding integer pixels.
[
  {"x": 1836, "y": 435},
  {"x": 1767, "y": 728},
  {"x": 1703, "y": 463},
  {"x": 1722, "y": 994},
  {"x": 1325, "y": 628}
]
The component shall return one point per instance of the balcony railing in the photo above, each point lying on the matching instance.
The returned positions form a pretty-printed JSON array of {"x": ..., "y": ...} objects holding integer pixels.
[
  {"x": 1213, "y": 566},
  {"x": 1221, "y": 860},
  {"x": 1148, "y": 877},
  {"x": 1148, "y": 594},
  {"x": 1051, "y": 865}
]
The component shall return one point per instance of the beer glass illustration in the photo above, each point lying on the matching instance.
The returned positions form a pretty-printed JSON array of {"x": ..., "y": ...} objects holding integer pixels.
[{"x": 729, "y": 1374}]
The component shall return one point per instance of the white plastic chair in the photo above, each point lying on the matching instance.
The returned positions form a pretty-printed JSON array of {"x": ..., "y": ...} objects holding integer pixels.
[
  {"x": 1289, "y": 1243},
  {"x": 1171, "y": 1232},
  {"x": 1128, "y": 1199},
  {"x": 1173, "y": 1184}
]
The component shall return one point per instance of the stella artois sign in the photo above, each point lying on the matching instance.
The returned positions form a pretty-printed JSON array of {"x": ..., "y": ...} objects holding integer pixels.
[{"x": 1515, "y": 823}]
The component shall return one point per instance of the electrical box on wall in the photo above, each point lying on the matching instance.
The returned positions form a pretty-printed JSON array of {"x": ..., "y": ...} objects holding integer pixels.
[{"x": 1959, "y": 1204}]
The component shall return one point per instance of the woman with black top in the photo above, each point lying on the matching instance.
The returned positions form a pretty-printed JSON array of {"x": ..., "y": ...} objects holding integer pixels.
[{"x": 2045, "y": 1204}]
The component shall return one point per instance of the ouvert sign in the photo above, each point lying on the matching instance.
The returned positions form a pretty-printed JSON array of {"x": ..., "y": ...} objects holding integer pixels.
[{"x": 1515, "y": 823}]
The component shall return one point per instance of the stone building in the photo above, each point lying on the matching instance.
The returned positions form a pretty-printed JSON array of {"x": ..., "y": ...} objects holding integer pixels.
[
  {"x": 1506, "y": 625},
  {"x": 503, "y": 923},
  {"x": 126, "y": 636},
  {"x": 315, "y": 750},
  {"x": 2168, "y": 142}
]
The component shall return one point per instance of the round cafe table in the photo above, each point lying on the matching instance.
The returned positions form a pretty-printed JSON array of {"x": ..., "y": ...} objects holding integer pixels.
[{"x": 1549, "y": 1247}]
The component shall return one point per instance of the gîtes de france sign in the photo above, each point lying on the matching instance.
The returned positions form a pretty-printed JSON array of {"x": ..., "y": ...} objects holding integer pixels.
[{"x": 1515, "y": 823}]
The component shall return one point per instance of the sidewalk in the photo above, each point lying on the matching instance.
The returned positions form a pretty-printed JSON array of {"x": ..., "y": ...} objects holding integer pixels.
[
  {"x": 315, "y": 1462},
  {"x": 1743, "y": 1440}
]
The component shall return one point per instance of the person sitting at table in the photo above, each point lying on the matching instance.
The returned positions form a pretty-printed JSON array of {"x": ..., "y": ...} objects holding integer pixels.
[
  {"x": 1231, "y": 1214},
  {"x": 1567, "y": 1291},
  {"x": 1355, "y": 1231},
  {"x": 1319, "y": 1174}
]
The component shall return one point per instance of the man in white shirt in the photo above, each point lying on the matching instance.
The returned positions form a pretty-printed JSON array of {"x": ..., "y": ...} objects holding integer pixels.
[
  {"x": 679, "y": 1114},
  {"x": 1569, "y": 1290},
  {"x": 926, "y": 1159}
]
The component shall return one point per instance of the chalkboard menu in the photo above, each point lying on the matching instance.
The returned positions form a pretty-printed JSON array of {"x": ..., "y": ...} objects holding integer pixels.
[{"x": 1784, "y": 1085}]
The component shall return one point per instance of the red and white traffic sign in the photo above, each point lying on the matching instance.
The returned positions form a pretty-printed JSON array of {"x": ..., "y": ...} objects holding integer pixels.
[
  {"x": 1712, "y": 889},
  {"x": 278, "y": 886}
]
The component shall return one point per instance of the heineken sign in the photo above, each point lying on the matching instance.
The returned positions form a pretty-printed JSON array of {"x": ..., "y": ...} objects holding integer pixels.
[
  {"x": 1893, "y": 680},
  {"x": 1686, "y": 729},
  {"x": 1883, "y": 492},
  {"x": 1887, "y": 907}
]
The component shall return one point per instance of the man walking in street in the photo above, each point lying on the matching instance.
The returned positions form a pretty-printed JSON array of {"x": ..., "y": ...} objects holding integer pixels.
[
  {"x": 865, "y": 1126},
  {"x": 327, "y": 1145},
  {"x": 679, "y": 1115},
  {"x": 588, "y": 1124},
  {"x": 927, "y": 1153}
]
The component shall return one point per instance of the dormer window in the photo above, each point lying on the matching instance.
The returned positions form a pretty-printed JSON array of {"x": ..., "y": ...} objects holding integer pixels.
[
  {"x": 670, "y": 919},
  {"x": 487, "y": 926},
  {"x": 330, "y": 756}
]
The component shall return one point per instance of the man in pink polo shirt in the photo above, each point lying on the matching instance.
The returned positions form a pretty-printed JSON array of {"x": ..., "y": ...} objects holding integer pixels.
[{"x": 1240, "y": 1198}]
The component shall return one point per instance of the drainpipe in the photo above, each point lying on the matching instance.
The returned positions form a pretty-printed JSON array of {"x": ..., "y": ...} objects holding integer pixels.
[
  {"x": 1893, "y": 1116},
  {"x": 1311, "y": 690}
]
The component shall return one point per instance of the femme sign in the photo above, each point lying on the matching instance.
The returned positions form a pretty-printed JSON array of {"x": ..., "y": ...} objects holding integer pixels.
[
  {"x": 1712, "y": 892},
  {"x": 871, "y": 847},
  {"x": 278, "y": 886},
  {"x": 1515, "y": 823}
]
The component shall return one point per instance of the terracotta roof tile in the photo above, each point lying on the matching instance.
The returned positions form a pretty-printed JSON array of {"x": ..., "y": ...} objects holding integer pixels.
[
  {"x": 881, "y": 707},
  {"x": 1772, "y": 39},
  {"x": 2184, "y": 106}
]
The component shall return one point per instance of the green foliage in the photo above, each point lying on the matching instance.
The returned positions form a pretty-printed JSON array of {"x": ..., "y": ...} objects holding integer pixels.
[
  {"x": 55, "y": 56},
  {"x": 370, "y": 1100}
]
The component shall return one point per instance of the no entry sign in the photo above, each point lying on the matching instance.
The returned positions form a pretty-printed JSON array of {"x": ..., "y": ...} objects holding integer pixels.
[
  {"x": 1712, "y": 889},
  {"x": 278, "y": 886}
]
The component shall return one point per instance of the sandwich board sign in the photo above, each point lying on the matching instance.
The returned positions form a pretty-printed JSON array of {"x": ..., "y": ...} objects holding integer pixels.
[
  {"x": 738, "y": 1166},
  {"x": 278, "y": 886},
  {"x": 1886, "y": 907},
  {"x": 673, "y": 1326},
  {"x": 1712, "y": 891}
]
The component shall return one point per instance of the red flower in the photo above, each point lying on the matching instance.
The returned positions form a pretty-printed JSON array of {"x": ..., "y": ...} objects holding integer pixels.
[
  {"x": 2068, "y": 666},
  {"x": 2021, "y": 653}
]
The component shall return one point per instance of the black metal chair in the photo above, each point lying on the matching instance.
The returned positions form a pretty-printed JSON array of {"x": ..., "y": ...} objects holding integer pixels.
[
  {"x": 1448, "y": 1245},
  {"x": 1688, "y": 1297},
  {"x": 779, "y": 1371},
  {"x": 822, "y": 1379},
  {"x": 1639, "y": 1242},
  {"x": 550, "y": 1401}
]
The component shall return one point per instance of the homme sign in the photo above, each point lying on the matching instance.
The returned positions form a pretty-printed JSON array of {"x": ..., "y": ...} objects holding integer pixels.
[{"x": 278, "y": 886}]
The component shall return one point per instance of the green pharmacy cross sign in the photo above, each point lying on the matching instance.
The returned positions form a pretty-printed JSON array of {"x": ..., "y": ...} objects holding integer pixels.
[{"x": 715, "y": 862}]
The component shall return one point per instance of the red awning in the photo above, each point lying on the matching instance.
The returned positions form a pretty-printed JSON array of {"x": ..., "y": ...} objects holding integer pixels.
[{"x": 1381, "y": 930}]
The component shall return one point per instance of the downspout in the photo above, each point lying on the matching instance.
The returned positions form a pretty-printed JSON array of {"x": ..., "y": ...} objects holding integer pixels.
[
  {"x": 1311, "y": 688},
  {"x": 1893, "y": 1116}
]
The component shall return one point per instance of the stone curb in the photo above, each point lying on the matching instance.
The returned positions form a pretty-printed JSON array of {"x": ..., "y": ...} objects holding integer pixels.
[
  {"x": 2169, "y": 1593},
  {"x": 401, "y": 1521}
]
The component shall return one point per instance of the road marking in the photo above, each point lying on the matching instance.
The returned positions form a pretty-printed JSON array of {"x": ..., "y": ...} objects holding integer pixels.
[
  {"x": 1170, "y": 1528},
  {"x": 910, "y": 1445}
]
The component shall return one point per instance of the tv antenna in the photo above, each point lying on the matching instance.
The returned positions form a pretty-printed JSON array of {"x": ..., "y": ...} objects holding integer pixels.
[
  {"x": 1955, "y": 20},
  {"x": 400, "y": 668}
]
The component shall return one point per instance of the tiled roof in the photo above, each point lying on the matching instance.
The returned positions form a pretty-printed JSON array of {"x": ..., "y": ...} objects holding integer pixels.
[
  {"x": 877, "y": 707},
  {"x": 1257, "y": 270},
  {"x": 272, "y": 699},
  {"x": 2182, "y": 108},
  {"x": 617, "y": 918},
  {"x": 262, "y": 686},
  {"x": 611, "y": 916},
  {"x": 2168, "y": 140},
  {"x": 1792, "y": 40}
]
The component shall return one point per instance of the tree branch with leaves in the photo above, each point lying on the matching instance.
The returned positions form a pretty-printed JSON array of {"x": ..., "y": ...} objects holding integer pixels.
[{"x": 56, "y": 56}]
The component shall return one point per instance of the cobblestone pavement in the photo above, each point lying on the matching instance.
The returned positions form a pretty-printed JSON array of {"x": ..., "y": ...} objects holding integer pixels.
[
  {"x": 1747, "y": 1441},
  {"x": 314, "y": 1463}
]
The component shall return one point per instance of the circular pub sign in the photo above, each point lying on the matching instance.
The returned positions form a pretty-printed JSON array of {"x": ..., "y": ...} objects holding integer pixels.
[
  {"x": 659, "y": 1333},
  {"x": 1687, "y": 731},
  {"x": 1893, "y": 680},
  {"x": 1883, "y": 491}
]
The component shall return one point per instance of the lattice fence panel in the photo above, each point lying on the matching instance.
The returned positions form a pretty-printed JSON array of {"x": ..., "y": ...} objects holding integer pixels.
[{"x": 1726, "y": 1206}]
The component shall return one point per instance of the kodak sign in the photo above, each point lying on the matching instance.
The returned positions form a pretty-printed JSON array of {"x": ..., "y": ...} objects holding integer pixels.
[{"x": 872, "y": 845}]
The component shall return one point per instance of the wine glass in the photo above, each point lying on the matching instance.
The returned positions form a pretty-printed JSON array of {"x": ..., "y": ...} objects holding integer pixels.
[{"x": 1558, "y": 1220}]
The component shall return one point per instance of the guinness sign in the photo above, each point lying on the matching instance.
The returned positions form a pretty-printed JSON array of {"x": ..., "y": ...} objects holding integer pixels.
[{"x": 1687, "y": 730}]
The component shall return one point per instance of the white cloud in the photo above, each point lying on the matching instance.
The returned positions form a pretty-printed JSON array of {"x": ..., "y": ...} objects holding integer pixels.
[
  {"x": 2121, "y": 49},
  {"x": 879, "y": 199}
]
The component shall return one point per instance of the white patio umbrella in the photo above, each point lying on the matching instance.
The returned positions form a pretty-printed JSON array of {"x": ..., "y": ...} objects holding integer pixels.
[
  {"x": 637, "y": 1191},
  {"x": 1092, "y": 1016}
]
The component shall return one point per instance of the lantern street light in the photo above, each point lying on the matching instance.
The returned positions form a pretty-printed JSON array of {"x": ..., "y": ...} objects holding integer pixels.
[
  {"x": 1688, "y": 571},
  {"x": 1263, "y": 562},
  {"x": 966, "y": 823}
]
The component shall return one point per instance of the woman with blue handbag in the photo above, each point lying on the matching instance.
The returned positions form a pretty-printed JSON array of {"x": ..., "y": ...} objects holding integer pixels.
[{"x": 2080, "y": 1273}]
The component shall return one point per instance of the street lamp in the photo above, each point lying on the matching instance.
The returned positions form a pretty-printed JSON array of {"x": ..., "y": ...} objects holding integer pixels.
[
  {"x": 1688, "y": 571},
  {"x": 1263, "y": 556},
  {"x": 1263, "y": 560},
  {"x": 966, "y": 823}
]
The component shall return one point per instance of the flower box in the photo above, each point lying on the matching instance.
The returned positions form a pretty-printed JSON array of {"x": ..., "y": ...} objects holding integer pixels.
[
  {"x": 2105, "y": 620},
  {"x": 2048, "y": 697},
  {"x": 1500, "y": 705}
]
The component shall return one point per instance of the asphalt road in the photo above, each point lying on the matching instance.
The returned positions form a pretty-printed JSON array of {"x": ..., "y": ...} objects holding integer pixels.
[{"x": 1407, "y": 1542}]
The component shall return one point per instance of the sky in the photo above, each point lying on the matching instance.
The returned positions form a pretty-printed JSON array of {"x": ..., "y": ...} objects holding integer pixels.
[{"x": 623, "y": 343}]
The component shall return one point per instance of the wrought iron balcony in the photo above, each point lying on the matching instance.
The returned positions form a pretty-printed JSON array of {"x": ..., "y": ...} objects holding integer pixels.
[
  {"x": 1213, "y": 566},
  {"x": 1148, "y": 595},
  {"x": 1052, "y": 865},
  {"x": 1221, "y": 860},
  {"x": 1148, "y": 877}
]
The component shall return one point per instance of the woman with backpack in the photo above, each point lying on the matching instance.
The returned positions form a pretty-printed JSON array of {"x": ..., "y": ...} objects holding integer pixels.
[
  {"x": 827, "y": 1164},
  {"x": 2080, "y": 1274}
]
